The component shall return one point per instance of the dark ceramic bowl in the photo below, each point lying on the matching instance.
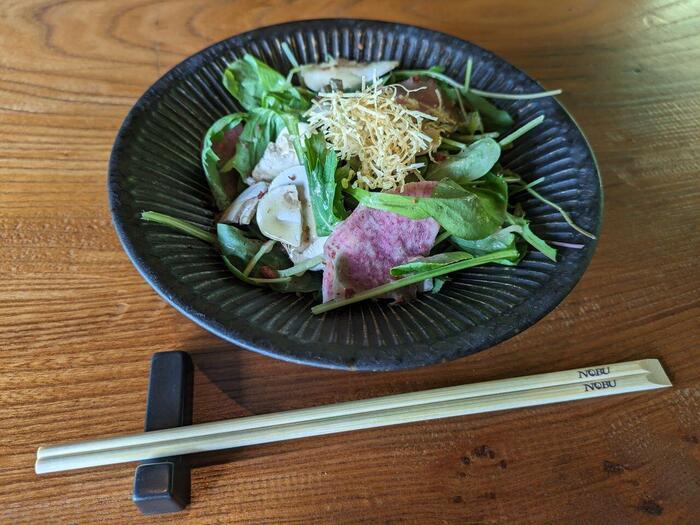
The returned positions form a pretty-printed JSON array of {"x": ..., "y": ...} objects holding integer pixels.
[{"x": 155, "y": 166}]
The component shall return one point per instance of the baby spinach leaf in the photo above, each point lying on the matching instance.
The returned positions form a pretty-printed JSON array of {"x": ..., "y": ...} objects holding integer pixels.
[
  {"x": 321, "y": 163},
  {"x": 474, "y": 123},
  {"x": 324, "y": 176},
  {"x": 472, "y": 163},
  {"x": 261, "y": 128},
  {"x": 404, "y": 205},
  {"x": 341, "y": 174},
  {"x": 238, "y": 250},
  {"x": 429, "y": 263},
  {"x": 221, "y": 182},
  {"x": 530, "y": 236},
  {"x": 306, "y": 283},
  {"x": 504, "y": 239},
  {"x": 493, "y": 117},
  {"x": 254, "y": 84},
  {"x": 473, "y": 212},
  {"x": 236, "y": 245},
  {"x": 292, "y": 123}
]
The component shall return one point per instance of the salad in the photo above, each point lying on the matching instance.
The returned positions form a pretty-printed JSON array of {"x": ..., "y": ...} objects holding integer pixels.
[{"x": 358, "y": 181}]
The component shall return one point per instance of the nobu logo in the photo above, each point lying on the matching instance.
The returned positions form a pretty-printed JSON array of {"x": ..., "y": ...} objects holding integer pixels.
[
  {"x": 599, "y": 385},
  {"x": 593, "y": 372}
]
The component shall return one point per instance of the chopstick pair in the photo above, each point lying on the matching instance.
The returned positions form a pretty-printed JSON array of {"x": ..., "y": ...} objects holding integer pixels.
[{"x": 411, "y": 407}]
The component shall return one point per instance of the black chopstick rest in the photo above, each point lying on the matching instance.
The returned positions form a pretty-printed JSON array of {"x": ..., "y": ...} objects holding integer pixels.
[{"x": 163, "y": 485}]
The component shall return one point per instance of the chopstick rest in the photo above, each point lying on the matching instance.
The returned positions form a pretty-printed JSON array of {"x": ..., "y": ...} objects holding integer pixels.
[
  {"x": 489, "y": 396},
  {"x": 163, "y": 485}
]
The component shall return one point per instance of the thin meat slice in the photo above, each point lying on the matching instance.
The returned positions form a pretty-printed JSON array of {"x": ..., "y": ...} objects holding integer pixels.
[
  {"x": 423, "y": 90},
  {"x": 424, "y": 94},
  {"x": 428, "y": 95},
  {"x": 226, "y": 147},
  {"x": 361, "y": 250}
]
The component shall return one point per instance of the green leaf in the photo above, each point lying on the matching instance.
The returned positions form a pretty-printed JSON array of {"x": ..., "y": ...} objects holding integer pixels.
[
  {"x": 504, "y": 239},
  {"x": 308, "y": 282},
  {"x": 470, "y": 213},
  {"x": 323, "y": 175},
  {"x": 429, "y": 263},
  {"x": 290, "y": 54},
  {"x": 530, "y": 236},
  {"x": 235, "y": 245},
  {"x": 404, "y": 205},
  {"x": 221, "y": 182},
  {"x": 179, "y": 225},
  {"x": 438, "y": 284},
  {"x": 474, "y": 123},
  {"x": 493, "y": 117},
  {"x": 342, "y": 173},
  {"x": 414, "y": 278},
  {"x": 239, "y": 250},
  {"x": 262, "y": 127},
  {"x": 255, "y": 84},
  {"x": 472, "y": 163},
  {"x": 326, "y": 198},
  {"x": 473, "y": 212},
  {"x": 292, "y": 123}
]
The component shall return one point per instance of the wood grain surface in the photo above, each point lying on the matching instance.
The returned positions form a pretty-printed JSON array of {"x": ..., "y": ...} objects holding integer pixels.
[{"x": 78, "y": 324}]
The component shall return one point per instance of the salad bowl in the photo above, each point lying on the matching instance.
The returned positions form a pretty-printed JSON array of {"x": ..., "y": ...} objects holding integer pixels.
[{"x": 155, "y": 165}]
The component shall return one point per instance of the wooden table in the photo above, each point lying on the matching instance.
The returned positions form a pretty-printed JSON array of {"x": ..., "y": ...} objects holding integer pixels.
[{"x": 78, "y": 324}]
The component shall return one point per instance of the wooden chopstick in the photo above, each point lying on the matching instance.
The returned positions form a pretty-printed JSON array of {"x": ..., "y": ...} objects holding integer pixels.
[
  {"x": 354, "y": 407},
  {"x": 355, "y": 415}
]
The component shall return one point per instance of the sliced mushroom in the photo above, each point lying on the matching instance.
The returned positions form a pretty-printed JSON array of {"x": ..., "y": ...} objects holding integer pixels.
[
  {"x": 349, "y": 72},
  {"x": 279, "y": 215},
  {"x": 242, "y": 209},
  {"x": 311, "y": 244},
  {"x": 297, "y": 175},
  {"x": 293, "y": 175}
]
